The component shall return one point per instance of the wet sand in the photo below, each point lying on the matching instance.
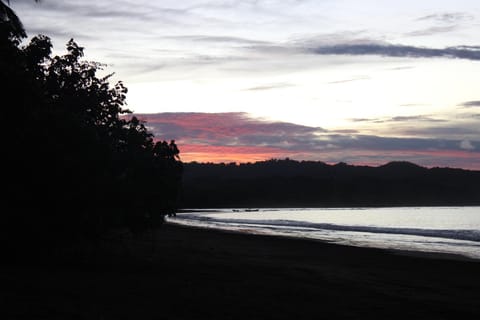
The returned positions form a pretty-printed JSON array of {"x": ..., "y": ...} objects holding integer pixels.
[{"x": 208, "y": 274}]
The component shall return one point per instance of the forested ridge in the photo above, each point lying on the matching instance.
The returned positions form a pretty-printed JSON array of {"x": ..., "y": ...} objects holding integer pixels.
[{"x": 289, "y": 183}]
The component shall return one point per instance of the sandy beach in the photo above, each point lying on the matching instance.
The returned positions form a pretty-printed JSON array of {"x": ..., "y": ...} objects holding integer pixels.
[{"x": 208, "y": 274}]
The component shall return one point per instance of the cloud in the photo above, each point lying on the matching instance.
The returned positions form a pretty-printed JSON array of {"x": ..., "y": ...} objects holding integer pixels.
[
  {"x": 270, "y": 87},
  {"x": 60, "y": 33},
  {"x": 415, "y": 118},
  {"x": 401, "y": 68},
  {"x": 444, "y": 22},
  {"x": 349, "y": 80},
  {"x": 407, "y": 119},
  {"x": 217, "y": 39},
  {"x": 431, "y": 30},
  {"x": 443, "y": 131},
  {"x": 471, "y": 104},
  {"x": 392, "y": 50},
  {"x": 358, "y": 44},
  {"x": 447, "y": 17},
  {"x": 225, "y": 137},
  {"x": 362, "y": 120},
  {"x": 232, "y": 128},
  {"x": 346, "y": 131},
  {"x": 467, "y": 145},
  {"x": 109, "y": 10}
]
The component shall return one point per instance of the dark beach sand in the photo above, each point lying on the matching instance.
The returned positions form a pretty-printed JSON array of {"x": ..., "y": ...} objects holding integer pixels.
[{"x": 206, "y": 274}]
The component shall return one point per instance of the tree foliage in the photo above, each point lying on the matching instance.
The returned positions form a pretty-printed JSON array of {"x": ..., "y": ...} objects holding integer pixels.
[{"x": 77, "y": 162}]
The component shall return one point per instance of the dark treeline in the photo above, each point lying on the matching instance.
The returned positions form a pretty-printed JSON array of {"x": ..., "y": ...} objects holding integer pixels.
[
  {"x": 288, "y": 183},
  {"x": 75, "y": 166}
]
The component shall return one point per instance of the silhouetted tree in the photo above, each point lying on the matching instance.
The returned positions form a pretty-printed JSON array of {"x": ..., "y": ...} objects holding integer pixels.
[
  {"x": 76, "y": 165},
  {"x": 8, "y": 16}
]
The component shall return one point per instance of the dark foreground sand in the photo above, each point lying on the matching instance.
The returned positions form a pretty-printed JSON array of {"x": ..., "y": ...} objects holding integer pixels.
[{"x": 205, "y": 274}]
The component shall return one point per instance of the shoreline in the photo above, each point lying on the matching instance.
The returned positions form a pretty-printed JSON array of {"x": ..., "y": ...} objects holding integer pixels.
[
  {"x": 201, "y": 273},
  {"x": 262, "y": 207},
  {"x": 402, "y": 252},
  {"x": 448, "y": 240}
]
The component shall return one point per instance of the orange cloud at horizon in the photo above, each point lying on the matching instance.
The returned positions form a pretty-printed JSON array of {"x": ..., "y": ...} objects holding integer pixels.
[
  {"x": 244, "y": 154},
  {"x": 227, "y": 154}
]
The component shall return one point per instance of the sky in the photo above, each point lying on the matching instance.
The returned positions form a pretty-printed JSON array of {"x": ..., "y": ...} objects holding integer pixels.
[{"x": 356, "y": 81}]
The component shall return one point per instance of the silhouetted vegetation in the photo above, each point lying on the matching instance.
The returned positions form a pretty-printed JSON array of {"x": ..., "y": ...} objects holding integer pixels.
[
  {"x": 288, "y": 183},
  {"x": 75, "y": 164}
]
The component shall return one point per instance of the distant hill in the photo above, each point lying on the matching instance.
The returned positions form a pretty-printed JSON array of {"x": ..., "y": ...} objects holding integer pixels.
[{"x": 289, "y": 183}]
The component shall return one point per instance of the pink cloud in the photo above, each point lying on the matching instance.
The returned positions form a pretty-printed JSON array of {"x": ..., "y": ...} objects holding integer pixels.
[
  {"x": 220, "y": 125},
  {"x": 237, "y": 137}
]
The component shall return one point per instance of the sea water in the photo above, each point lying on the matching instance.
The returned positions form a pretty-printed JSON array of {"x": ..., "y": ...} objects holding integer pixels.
[{"x": 451, "y": 230}]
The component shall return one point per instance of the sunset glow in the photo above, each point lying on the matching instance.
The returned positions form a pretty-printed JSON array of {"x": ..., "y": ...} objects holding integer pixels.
[
  {"x": 239, "y": 137},
  {"x": 364, "y": 82},
  {"x": 228, "y": 154}
]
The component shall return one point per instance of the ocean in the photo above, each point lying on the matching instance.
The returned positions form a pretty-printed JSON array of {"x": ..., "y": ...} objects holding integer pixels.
[{"x": 450, "y": 230}]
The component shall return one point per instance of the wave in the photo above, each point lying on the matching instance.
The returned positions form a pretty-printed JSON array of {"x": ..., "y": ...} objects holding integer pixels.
[{"x": 465, "y": 234}]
